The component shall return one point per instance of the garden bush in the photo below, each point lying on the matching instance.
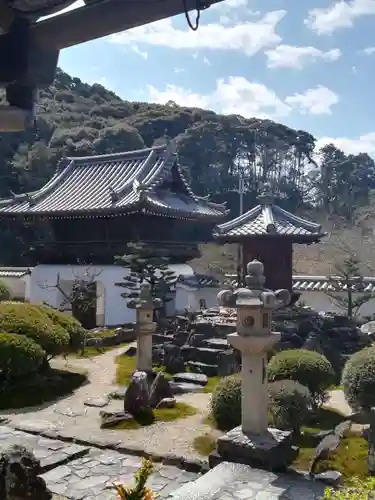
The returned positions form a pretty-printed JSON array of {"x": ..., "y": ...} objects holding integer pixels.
[
  {"x": 31, "y": 321},
  {"x": 309, "y": 368},
  {"x": 358, "y": 490},
  {"x": 290, "y": 403},
  {"x": 70, "y": 324},
  {"x": 4, "y": 292},
  {"x": 19, "y": 355},
  {"x": 358, "y": 379},
  {"x": 226, "y": 402}
]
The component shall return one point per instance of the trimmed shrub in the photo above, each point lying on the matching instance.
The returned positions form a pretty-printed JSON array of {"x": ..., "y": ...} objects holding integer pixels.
[
  {"x": 19, "y": 355},
  {"x": 290, "y": 403},
  {"x": 226, "y": 402},
  {"x": 359, "y": 489},
  {"x": 31, "y": 321},
  {"x": 358, "y": 379},
  {"x": 4, "y": 292},
  {"x": 309, "y": 368},
  {"x": 70, "y": 324}
]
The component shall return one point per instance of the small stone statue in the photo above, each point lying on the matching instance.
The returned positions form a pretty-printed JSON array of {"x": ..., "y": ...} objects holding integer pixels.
[{"x": 19, "y": 478}]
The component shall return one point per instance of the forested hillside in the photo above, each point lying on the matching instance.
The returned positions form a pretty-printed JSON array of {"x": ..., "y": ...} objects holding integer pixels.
[{"x": 75, "y": 118}]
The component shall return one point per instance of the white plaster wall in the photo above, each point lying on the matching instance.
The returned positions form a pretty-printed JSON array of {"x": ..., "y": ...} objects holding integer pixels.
[
  {"x": 112, "y": 309},
  {"x": 320, "y": 301},
  {"x": 209, "y": 294},
  {"x": 185, "y": 299}
]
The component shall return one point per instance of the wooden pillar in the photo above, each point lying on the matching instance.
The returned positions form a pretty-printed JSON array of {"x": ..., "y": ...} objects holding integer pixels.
[{"x": 276, "y": 253}]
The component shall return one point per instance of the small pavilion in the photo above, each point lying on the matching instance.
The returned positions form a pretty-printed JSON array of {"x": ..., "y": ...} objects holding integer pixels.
[{"x": 267, "y": 233}]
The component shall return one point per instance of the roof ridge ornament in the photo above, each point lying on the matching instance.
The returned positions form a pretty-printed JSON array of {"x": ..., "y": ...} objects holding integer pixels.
[
  {"x": 266, "y": 195},
  {"x": 112, "y": 193},
  {"x": 140, "y": 189}
]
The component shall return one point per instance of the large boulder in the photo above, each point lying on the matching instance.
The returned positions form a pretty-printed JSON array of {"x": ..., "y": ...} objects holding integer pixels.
[{"x": 137, "y": 397}]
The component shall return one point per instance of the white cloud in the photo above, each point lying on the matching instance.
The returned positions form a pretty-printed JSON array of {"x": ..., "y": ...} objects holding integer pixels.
[
  {"x": 206, "y": 61},
  {"x": 247, "y": 37},
  {"x": 316, "y": 101},
  {"x": 369, "y": 51},
  {"x": 236, "y": 95},
  {"x": 341, "y": 14},
  {"x": 140, "y": 52},
  {"x": 289, "y": 56},
  {"x": 364, "y": 144}
]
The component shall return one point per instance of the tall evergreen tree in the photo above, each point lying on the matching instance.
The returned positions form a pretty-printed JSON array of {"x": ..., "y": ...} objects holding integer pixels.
[{"x": 146, "y": 265}]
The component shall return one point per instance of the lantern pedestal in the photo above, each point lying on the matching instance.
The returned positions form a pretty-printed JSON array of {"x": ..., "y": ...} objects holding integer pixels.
[
  {"x": 144, "y": 347},
  {"x": 254, "y": 443}
]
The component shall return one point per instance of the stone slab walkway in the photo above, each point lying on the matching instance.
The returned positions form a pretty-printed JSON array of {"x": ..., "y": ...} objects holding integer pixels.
[
  {"x": 230, "y": 481},
  {"x": 88, "y": 473}
]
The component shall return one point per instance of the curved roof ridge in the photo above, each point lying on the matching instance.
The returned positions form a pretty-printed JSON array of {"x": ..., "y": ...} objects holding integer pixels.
[
  {"x": 35, "y": 195},
  {"x": 241, "y": 219},
  {"x": 116, "y": 156},
  {"x": 298, "y": 220}
]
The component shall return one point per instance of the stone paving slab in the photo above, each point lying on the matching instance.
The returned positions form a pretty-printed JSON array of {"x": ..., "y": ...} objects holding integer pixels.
[
  {"x": 93, "y": 476},
  {"x": 229, "y": 481},
  {"x": 50, "y": 452}
]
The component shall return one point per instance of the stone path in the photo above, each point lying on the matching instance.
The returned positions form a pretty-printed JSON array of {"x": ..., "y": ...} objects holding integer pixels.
[
  {"x": 74, "y": 472},
  {"x": 70, "y": 418},
  {"x": 229, "y": 481},
  {"x": 86, "y": 473}
]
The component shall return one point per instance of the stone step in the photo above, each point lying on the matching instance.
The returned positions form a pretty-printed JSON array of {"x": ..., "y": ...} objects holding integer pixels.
[
  {"x": 159, "y": 338},
  {"x": 198, "y": 367},
  {"x": 229, "y": 481},
  {"x": 202, "y": 354},
  {"x": 191, "y": 378},
  {"x": 215, "y": 343}
]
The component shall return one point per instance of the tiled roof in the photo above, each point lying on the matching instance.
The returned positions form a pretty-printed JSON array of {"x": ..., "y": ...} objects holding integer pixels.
[
  {"x": 116, "y": 183},
  {"x": 330, "y": 284},
  {"x": 269, "y": 219},
  {"x": 302, "y": 283},
  {"x": 199, "y": 281},
  {"x": 14, "y": 272}
]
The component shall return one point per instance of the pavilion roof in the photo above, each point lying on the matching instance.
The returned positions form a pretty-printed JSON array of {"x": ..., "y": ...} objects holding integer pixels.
[
  {"x": 148, "y": 180},
  {"x": 268, "y": 219}
]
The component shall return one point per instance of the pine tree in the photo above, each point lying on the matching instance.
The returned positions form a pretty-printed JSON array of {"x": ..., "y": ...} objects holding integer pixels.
[{"x": 146, "y": 265}]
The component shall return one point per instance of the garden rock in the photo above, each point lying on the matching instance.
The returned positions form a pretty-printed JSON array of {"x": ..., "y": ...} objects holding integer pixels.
[
  {"x": 167, "y": 403},
  {"x": 173, "y": 360},
  {"x": 137, "y": 399},
  {"x": 97, "y": 402},
  {"x": 19, "y": 478},
  {"x": 227, "y": 363},
  {"x": 160, "y": 389},
  {"x": 109, "y": 420},
  {"x": 192, "y": 378}
]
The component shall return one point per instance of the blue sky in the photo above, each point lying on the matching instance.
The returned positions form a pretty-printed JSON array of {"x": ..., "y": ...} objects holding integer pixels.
[{"x": 308, "y": 64}]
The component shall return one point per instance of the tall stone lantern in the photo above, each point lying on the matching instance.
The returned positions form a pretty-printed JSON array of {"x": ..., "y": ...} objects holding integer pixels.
[
  {"x": 253, "y": 442},
  {"x": 144, "y": 306}
]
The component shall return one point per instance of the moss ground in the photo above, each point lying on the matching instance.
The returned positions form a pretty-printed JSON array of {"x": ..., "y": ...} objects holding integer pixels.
[
  {"x": 181, "y": 410},
  {"x": 39, "y": 389},
  {"x": 350, "y": 458},
  {"x": 126, "y": 367}
]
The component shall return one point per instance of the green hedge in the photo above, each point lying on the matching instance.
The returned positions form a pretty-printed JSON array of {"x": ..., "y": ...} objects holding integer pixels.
[
  {"x": 70, "y": 324},
  {"x": 4, "y": 291},
  {"x": 309, "y": 368},
  {"x": 358, "y": 379},
  {"x": 226, "y": 402},
  {"x": 19, "y": 355},
  {"x": 29, "y": 320}
]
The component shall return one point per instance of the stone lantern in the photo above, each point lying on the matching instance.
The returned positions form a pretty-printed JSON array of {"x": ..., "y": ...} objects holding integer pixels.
[
  {"x": 144, "y": 306},
  {"x": 254, "y": 442}
]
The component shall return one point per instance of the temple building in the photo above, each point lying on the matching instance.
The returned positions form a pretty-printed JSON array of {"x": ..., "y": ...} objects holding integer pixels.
[
  {"x": 267, "y": 233},
  {"x": 93, "y": 206}
]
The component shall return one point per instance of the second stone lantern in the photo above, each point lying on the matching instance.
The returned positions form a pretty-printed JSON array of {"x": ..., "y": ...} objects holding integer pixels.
[{"x": 253, "y": 442}]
